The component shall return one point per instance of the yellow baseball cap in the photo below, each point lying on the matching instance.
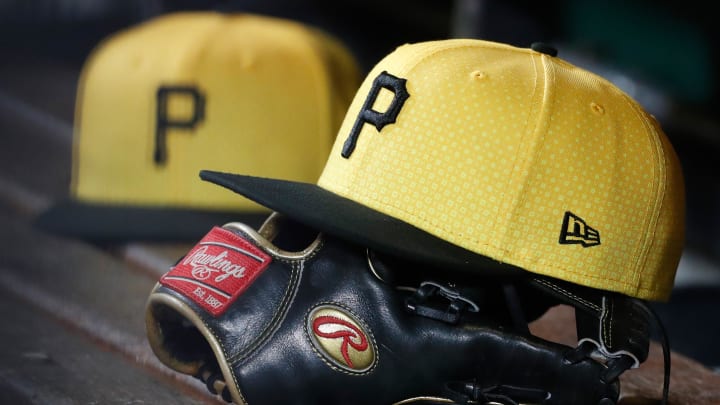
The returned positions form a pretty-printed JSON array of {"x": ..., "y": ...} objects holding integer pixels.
[
  {"x": 493, "y": 159},
  {"x": 186, "y": 91}
]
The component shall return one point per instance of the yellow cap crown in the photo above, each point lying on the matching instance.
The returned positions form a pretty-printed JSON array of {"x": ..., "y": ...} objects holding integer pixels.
[
  {"x": 518, "y": 156},
  {"x": 202, "y": 90}
]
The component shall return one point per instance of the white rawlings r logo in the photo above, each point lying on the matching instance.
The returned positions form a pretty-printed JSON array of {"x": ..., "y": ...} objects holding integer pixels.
[{"x": 204, "y": 265}]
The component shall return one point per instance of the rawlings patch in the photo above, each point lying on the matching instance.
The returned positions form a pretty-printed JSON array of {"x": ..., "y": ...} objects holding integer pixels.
[
  {"x": 341, "y": 339},
  {"x": 217, "y": 270}
]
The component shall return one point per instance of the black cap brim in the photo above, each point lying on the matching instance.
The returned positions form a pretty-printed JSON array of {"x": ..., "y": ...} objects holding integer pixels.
[
  {"x": 336, "y": 215},
  {"x": 102, "y": 223}
]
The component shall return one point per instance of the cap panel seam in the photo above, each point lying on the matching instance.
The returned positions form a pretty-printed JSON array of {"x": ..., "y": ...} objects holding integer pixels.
[
  {"x": 529, "y": 143},
  {"x": 659, "y": 189}
]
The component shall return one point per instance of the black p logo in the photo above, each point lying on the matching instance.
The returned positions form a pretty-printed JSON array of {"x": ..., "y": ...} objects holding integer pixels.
[
  {"x": 367, "y": 114},
  {"x": 164, "y": 122}
]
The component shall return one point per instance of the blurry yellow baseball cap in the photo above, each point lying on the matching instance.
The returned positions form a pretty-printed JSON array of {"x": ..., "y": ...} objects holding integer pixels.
[
  {"x": 497, "y": 160},
  {"x": 187, "y": 91}
]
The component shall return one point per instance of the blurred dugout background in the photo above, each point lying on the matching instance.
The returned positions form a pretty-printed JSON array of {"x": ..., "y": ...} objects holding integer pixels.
[{"x": 662, "y": 53}]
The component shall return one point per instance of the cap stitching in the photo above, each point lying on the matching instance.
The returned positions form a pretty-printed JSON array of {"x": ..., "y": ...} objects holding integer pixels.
[
  {"x": 659, "y": 189},
  {"x": 528, "y": 151}
]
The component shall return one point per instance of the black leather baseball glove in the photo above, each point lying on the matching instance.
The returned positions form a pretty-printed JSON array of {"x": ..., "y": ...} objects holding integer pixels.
[{"x": 286, "y": 315}]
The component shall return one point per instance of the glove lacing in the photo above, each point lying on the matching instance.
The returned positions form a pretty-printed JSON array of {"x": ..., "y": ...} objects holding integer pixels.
[
  {"x": 471, "y": 392},
  {"x": 214, "y": 382}
]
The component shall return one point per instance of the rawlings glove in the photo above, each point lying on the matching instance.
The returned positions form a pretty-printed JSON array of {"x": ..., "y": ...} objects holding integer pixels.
[{"x": 281, "y": 315}]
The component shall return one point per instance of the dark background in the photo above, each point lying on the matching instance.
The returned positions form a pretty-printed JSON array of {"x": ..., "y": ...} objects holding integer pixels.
[{"x": 663, "y": 53}]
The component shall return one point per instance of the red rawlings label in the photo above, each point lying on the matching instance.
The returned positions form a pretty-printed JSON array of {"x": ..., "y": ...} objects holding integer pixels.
[{"x": 217, "y": 270}]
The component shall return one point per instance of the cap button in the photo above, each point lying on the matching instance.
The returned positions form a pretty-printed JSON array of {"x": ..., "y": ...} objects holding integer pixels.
[{"x": 544, "y": 48}]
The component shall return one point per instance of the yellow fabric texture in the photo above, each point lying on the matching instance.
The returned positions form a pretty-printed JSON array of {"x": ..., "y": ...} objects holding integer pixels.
[
  {"x": 275, "y": 94},
  {"x": 493, "y": 147}
]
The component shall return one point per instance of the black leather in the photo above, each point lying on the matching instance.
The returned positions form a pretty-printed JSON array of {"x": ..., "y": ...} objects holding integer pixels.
[
  {"x": 267, "y": 345},
  {"x": 616, "y": 324}
]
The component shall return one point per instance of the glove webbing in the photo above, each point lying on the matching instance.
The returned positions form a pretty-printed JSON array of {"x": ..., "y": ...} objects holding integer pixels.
[
  {"x": 419, "y": 303},
  {"x": 614, "y": 326},
  {"x": 424, "y": 302},
  {"x": 465, "y": 393}
]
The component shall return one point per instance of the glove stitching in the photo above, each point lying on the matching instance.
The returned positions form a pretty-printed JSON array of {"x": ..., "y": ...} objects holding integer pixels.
[
  {"x": 296, "y": 269},
  {"x": 603, "y": 346},
  {"x": 569, "y": 294},
  {"x": 292, "y": 260},
  {"x": 606, "y": 324},
  {"x": 611, "y": 312},
  {"x": 278, "y": 317},
  {"x": 227, "y": 361}
]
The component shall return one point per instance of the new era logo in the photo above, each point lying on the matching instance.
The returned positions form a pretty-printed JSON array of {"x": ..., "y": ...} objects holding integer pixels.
[{"x": 575, "y": 230}]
